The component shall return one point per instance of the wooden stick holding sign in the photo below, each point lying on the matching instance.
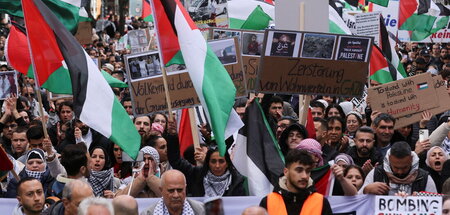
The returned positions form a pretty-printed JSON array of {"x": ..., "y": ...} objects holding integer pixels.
[
  {"x": 194, "y": 131},
  {"x": 303, "y": 99},
  {"x": 166, "y": 92}
]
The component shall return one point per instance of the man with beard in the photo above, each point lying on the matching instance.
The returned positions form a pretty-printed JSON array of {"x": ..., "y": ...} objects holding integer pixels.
[
  {"x": 81, "y": 133},
  {"x": 399, "y": 175},
  {"x": 383, "y": 124},
  {"x": 295, "y": 191},
  {"x": 30, "y": 196},
  {"x": 143, "y": 125},
  {"x": 364, "y": 153}
]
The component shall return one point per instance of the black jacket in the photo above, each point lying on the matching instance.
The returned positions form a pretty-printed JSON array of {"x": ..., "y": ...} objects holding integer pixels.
[
  {"x": 55, "y": 209},
  {"x": 195, "y": 174},
  {"x": 294, "y": 201},
  {"x": 97, "y": 140},
  {"x": 375, "y": 157},
  {"x": 47, "y": 181}
]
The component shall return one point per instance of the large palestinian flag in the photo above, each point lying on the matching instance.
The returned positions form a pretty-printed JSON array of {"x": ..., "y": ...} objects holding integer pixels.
[
  {"x": 94, "y": 101},
  {"x": 215, "y": 89},
  {"x": 257, "y": 154},
  {"x": 381, "y": 70}
]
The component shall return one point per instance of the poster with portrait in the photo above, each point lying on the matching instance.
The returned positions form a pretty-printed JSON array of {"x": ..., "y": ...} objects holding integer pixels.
[
  {"x": 282, "y": 44},
  {"x": 144, "y": 65},
  {"x": 252, "y": 43},
  {"x": 8, "y": 84}
]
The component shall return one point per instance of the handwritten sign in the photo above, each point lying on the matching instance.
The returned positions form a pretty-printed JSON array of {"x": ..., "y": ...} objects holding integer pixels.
[
  {"x": 410, "y": 205},
  {"x": 313, "y": 67},
  {"x": 251, "y": 67},
  {"x": 406, "y": 96},
  {"x": 443, "y": 101}
]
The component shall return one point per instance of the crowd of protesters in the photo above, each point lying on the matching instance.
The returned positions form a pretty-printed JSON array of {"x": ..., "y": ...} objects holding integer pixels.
[{"x": 75, "y": 168}]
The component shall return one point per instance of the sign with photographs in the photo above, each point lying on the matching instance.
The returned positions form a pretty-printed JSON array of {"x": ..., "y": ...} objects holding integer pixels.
[
  {"x": 403, "y": 97},
  {"x": 251, "y": 46},
  {"x": 229, "y": 53},
  {"x": 138, "y": 40},
  {"x": 147, "y": 87},
  {"x": 8, "y": 84},
  {"x": 208, "y": 13},
  {"x": 295, "y": 62},
  {"x": 443, "y": 102}
]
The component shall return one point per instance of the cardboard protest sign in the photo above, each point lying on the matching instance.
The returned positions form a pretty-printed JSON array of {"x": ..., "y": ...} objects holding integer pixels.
[
  {"x": 251, "y": 43},
  {"x": 443, "y": 101},
  {"x": 84, "y": 33},
  {"x": 425, "y": 205},
  {"x": 406, "y": 96},
  {"x": 138, "y": 40},
  {"x": 368, "y": 24},
  {"x": 296, "y": 62},
  {"x": 229, "y": 53}
]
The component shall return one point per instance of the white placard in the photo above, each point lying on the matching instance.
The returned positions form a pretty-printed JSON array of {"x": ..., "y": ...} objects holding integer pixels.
[{"x": 424, "y": 205}]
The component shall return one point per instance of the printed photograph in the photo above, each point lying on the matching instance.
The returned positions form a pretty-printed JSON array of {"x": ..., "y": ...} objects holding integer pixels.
[
  {"x": 252, "y": 43},
  {"x": 225, "y": 50},
  {"x": 143, "y": 65},
  {"x": 8, "y": 84},
  {"x": 281, "y": 43},
  {"x": 318, "y": 46},
  {"x": 223, "y": 34}
]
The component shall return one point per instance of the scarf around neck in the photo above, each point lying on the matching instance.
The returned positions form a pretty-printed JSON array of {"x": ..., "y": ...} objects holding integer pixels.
[
  {"x": 35, "y": 174},
  {"x": 161, "y": 208},
  {"x": 101, "y": 181},
  {"x": 216, "y": 185}
]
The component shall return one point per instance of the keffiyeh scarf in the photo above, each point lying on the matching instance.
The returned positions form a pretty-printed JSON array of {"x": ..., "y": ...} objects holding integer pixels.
[
  {"x": 161, "y": 208},
  {"x": 101, "y": 181},
  {"x": 216, "y": 185},
  {"x": 401, "y": 184},
  {"x": 35, "y": 174}
]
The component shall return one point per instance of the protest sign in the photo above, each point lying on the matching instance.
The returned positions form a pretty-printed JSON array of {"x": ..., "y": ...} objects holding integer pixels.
[
  {"x": 251, "y": 47},
  {"x": 443, "y": 101},
  {"x": 313, "y": 63},
  {"x": 208, "y": 13},
  {"x": 410, "y": 205},
  {"x": 315, "y": 15},
  {"x": 8, "y": 84},
  {"x": 138, "y": 40},
  {"x": 368, "y": 24},
  {"x": 403, "y": 97},
  {"x": 229, "y": 53}
]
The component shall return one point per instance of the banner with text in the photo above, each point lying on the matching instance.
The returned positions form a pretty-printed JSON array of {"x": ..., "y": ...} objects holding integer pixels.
[{"x": 295, "y": 62}]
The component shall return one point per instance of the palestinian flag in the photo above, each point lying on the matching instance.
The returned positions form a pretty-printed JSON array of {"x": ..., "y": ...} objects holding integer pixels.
[
  {"x": 381, "y": 70},
  {"x": 440, "y": 23},
  {"x": 417, "y": 15},
  {"x": 239, "y": 11},
  {"x": 184, "y": 132},
  {"x": 147, "y": 11},
  {"x": 387, "y": 45},
  {"x": 383, "y": 3},
  {"x": 257, "y": 20},
  {"x": 211, "y": 81},
  {"x": 67, "y": 11},
  {"x": 53, "y": 76},
  {"x": 323, "y": 179},
  {"x": 337, "y": 24},
  {"x": 257, "y": 154},
  {"x": 94, "y": 102},
  {"x": 310, "y": 128}
]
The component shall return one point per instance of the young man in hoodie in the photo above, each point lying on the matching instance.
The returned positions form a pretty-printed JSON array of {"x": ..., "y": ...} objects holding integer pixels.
[{"x": 295, "y": 192}]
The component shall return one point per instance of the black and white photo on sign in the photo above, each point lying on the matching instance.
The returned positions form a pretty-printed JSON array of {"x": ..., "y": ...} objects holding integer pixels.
[
  {"x": 223, "y": 34},
  {"x": 8, "y": 84},
  {"x": 143, "y": 65},
  {"x": 319, "y": 46},
  {"x": 225, "y": 50},
  {"x": 282, "y": 44},
  {"x": 252, "y": 43},
  {"x": 138, "y": 40}
]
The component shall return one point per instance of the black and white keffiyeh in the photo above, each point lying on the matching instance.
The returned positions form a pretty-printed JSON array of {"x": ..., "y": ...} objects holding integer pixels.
[
  {"x": 35, "y": 174},
  {"x": 216, "y": 185},
  {"x": 101, "y": 181},
  {"x": 161, "y": 209}
]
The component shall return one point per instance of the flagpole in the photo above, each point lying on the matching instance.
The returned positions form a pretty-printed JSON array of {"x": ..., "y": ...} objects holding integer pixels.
[
  {"x": 36, "y": 80},
  {"x": 163, "y": 67},
  {"x": 303, "y": 109}
]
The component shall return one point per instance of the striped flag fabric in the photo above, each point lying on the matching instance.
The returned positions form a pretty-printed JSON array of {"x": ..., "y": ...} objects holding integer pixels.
[
  {"x": 417, "y": 15},
  {"x": 387, "y": 45},
  {"x": 257, "y": 154},
  {"x": 147, "y": 11},
  {"x": 16, "y": 50},
  {"x": 67, "y": 11},
  {"x": 383, "y": 3},
  {"x": 381, "y": 70},
  {"x": 440, "y": 23},
  {"x": 240, "y": 10},
  {"x": 337, "y": 24},
  {"x": 323, "y": 178},
  {"x": 94, "y": 101},
  {"x": 184, "y": 131},
  {"x": 257, "y": 20},
  {"x": 211, "y": 81}
]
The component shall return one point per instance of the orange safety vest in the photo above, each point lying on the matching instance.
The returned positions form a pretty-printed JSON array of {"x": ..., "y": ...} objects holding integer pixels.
[{"x": 312, "y": 205}]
